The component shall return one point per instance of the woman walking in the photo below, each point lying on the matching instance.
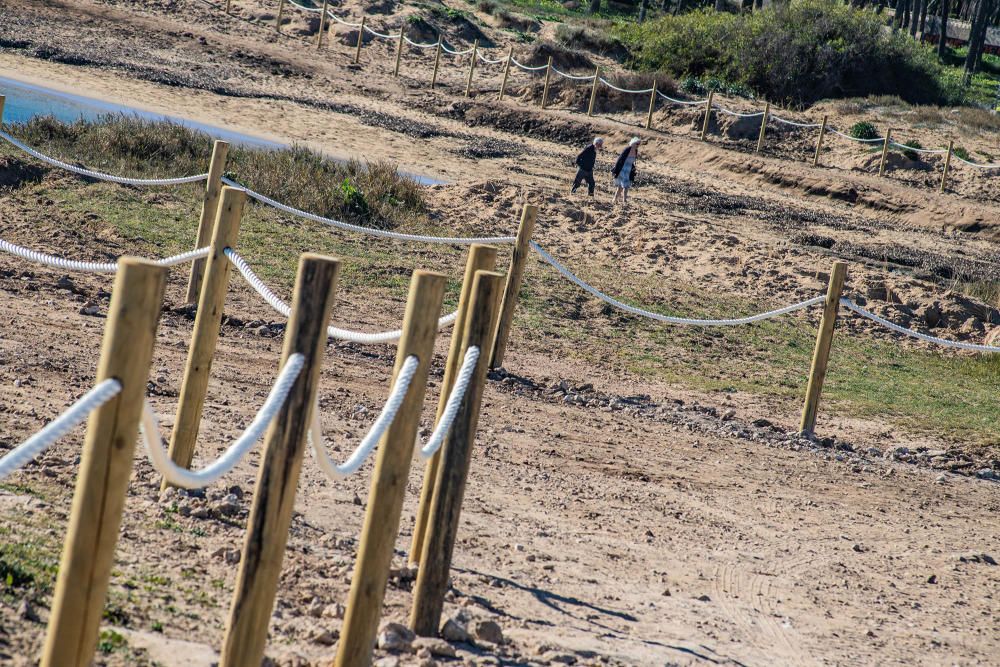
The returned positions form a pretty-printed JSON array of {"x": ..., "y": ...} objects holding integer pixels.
[{"x": 624, "y": 171}]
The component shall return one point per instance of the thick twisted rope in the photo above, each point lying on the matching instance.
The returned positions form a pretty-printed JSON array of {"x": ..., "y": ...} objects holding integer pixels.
[
  {"x": 850, "y": 305},
  {"x": 976, "y": 165},
  {"x": 399, "y": 390},
  {"x": 285, "y": 310},
  {"x": 455, "y": 399},
  {"x": 624, "y": 90},
  {"x": 75, "y": 415},
  {"x": 489, "y": 61},
  {"x": 861, "y": 141},
  {"x": 368, "y": 230},
  {"x": 573, "y": 76},
  {"x": 92, "y": 267},
  {"x": 444, "y": 47},
  {"x": 792, "y": 122},
  {"x": 526, "y": 68},
  {"x": 196, "y": 479},
  {"x": 418, "y": 44},
  {"x": 97, "y": 174},
  {"x": 315, "y": 10},
  {"x": 342, "y": 21},
  {"x": 918, "y": 150},
  {"x": 381, "y": 34},
  {"x": 736, "y": 113},
  {"x": 666, "y": 318},
  {"x": 677, "y": 101}
]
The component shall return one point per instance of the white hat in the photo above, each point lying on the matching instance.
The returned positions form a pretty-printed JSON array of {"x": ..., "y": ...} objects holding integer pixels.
[
  {"x": 598, "y": 141},
  {"x": 635, "y": 140}
]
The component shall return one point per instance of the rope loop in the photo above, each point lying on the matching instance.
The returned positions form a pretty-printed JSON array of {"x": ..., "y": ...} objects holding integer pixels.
[{"x": 458, "y": 391}]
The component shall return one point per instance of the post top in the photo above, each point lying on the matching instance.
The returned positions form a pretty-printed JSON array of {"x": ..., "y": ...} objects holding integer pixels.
[{"x": 128, "y": 261}]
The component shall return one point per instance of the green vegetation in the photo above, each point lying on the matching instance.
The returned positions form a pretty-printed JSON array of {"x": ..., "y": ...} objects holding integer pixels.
[
  {"x": 912, "y": 155},
  {"x": 110, "y": 641},
  {"x": 28, "y": 565},
  {"x": 864, "y": 130}
]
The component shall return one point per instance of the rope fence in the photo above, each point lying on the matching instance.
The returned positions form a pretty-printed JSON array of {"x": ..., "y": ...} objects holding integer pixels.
[{"x": 92, "y": 267}]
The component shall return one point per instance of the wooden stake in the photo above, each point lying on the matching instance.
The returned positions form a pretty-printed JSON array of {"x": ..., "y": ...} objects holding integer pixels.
[
  {"x": 106, "y": 465},
  {"x": 435, "y": 559},
  {"x": 229, "y": 4},
  {"x": 278, "y": 476},
  {"x": 322, "y": 25},
  {"x": 652, "y": 106},
  {"x": 819, "y": 140},
  {"x": 944, "y": 174},
  {"x": 437, "y": 63},
  {"x": 399, "y": 53},
  {"x": 281, "y": 12},
  {"x": 361, "y": 39},
  {"x": 481, "y": 258},
  {"x": 209, "y": 212},
  {"x": 545, "y": 88},
  {"x": 194, "y": 385},
  {"x": 763, "y": 126},
  {"x": 472, "y": 68},
  {"x": 3, "y": 100},
  {"x": 512, "y": 288},
  {"x": 708, "y": 114},
  {"x": 593, "y": 91},
  {"x": 821, "y": 354},
  {"x": 885, "y": 152},
  {"x": 506, "y": 71},
  {"x": 388, "y": 487}
]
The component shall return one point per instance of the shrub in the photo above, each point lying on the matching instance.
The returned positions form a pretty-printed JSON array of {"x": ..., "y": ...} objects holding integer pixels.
[
  {"x": 958, "y": 151},
  {"x": 595, "y": 40},
  {"x": 864, "y": 130},
  {"x": 912, "y": 155}
]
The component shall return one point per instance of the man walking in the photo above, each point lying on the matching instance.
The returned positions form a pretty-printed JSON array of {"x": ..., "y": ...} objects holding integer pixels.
[{"x": 585, "y": 166}]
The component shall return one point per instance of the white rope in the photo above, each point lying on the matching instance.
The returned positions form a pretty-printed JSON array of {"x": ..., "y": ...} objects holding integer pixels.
[
  {"x": 92, "y": 267},
  {"x": 490, "y": 61},
  {"x": 525, "y": 67},
  {"x": 977, "y": 166},
  {"x": 196, "y": 479},
  {"x": 371, "y": 440},
  {"x": 676, "y": 101},
  {"x": 917, "y": 150},
  {"x": 284, "y": 309},
  {"x": 792, "y": 122},
  {"x": 863, "y": 141},
  {"x": 444, "y": 47},
  {"x": 75, "y": 415},
  {"x": 316, "y": 10},
  {"x": 382, "y": 34},
  {"x": 418, "y": 45},
  {"x": 455, "y": 399},
  {"x": 737, "y": 114},
  {"x": 847, "y": 303},
  {"x": 97, "y": 174},
  {"x": 572, "y": 76},
  {"x": 367, "y": 230},
  {"x": 624, "y": 90},
  {"x": 665, "y": 318},
  {"x": 342, "y": 21}
]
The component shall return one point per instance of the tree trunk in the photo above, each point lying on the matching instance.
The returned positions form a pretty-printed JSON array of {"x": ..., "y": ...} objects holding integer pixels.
[
  {"x": 942, "y": 47},
  {"x": 720, "y": 5},
  {"x": 595, "y": 7},
  {"x": 923, "y": 18},
  {"x": 979, "y": 20},
  {"x": 643, "y": 7},
  {"x": 915, "y": 18}
]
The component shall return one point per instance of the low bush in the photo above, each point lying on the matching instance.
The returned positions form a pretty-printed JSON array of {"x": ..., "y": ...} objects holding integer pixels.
[
  {"x": 912, "y": 155},
  {"x": 864, "y": 130},
  {"x": 958, "y": 151},
  {"x": 595, "y": 40}
]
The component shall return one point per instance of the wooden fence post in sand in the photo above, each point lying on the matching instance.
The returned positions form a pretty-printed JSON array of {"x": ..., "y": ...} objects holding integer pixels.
[
  {"x": 281, "y": 14},
  {"x": 512, "y": 288},
  {"x": 442, "y": 527},
  {"x": 322, "y": 25},
  {"x": 209, "y": 212},
  {"x": 944, "y": 174},
  {"x": 388, "y": 486},
  {"x": 593, "y": 91},
  {"x": 652, "y": 106},
  {"x": 548, "y": 78},
  {"x": 229, "y": 5},
  {"x": 106, "y": 465},
  {"x": 763, "y": 126},
  {"x": 885, "y": 152},
  {"x": 821, "y": 354},
  {"x": 3, "y": 100},
  {"x": 278, "y": 475},
  {"x": 819, "y": 140},
  {"x": 472, "y": 68},
  {"x": 361, "y": 40},
  {"x": 399, "y": 51},
  {"x": 708, "y": 114},
  {"x": 481, "y": 258},
  {"x": 205, "y": 335},
  {"x": 437, "y": 62},
  {"x": 506, "y": 71}
]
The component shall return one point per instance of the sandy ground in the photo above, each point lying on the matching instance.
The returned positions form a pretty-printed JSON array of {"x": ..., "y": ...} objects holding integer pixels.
[{"x": 629, "y": 521}]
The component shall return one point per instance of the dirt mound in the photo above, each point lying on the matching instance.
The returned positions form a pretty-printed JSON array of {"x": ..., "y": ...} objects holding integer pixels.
[{"x": 893, "y": 162}]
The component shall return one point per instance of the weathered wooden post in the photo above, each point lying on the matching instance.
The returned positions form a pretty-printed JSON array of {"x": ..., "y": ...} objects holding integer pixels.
[
  {"x": 105, "y": 467},
  {"x": 481, "y": 258},
  {"x": 593, "y": 91},
  {"x": 229, "y": 4},
  {"x": 708, "y": 114},
  {"x": 205, "y": 335},
  {"x": 322, "y": 25},
  {"x": 399, "y": 52},
  {"x": 885, "y": 152},
  {"x": 545, "y": 87},
  {"x": 209, "y": 212},
  {"x": 472, "y": 68},
  {"x": 819, "y": 140},
  {"x": 652, "y": 106},
  {"x": 821, "y": 354},
  {"x": 437, "y": 62},
  {"x": 361, "y": 40},
  {"x": 506, "y": 71},
  {"x": 281, "y": 12},
  {"x": 439, "y": 544},
  {"x": 763, "y": 126},
  {"x": 278, "y": 475},
  {"x": 512, "y": 288},
  {"x": 944, "y": 174},
  {"x": 388, "y": 486},
  {"x": 3, "y": 100}
]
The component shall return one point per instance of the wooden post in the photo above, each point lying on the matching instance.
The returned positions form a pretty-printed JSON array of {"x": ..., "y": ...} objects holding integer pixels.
[
  {"x": 229, "y": 4},
  {"x": 944, "y": 174},
  {"x": 819, "y": 140},
  {"x": 322, "y": 25},
  {"x": 399, "y": 53},
  {"x": 593, "y": 91},
  {"x": 515, "y": 274},
  {"x": 885, "y": 152},
  {"x": 388, "y": 487},
  {"x": 281, "y": 13},
  {"x": 437, "y": 63},
  {"x": 821, "y": 354},
  {"x": 506, "y": 71},
  {"x": 361, "y": 39},
  {"x": 278, "y": 475},
  {"x": 3, "y": 100},
  {"x": 106, "y": 465},
  {"x": 472, "y": 68},
  {"x": 652, "y": 106},
  {"x": 481, "y": 258},
  {"x": 708, "y": 114},
  {"x": 209, "y": 212},
  {"x": 763, "y": 126},
  {"x": 435, "y": 559},
  {"x": 194, "y": 385},
  {"x": 545, "y": 88}
]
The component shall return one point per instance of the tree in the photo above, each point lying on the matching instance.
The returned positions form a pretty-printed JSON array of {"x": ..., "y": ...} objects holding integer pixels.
[
  {"x": 643, "y": 6},
  {"x": 595, "y": 7},
  {"x": 942, "y": 47},
  {"x": 720, "y": 5},
  {"x": 977, "y": 37},
  {"x": 915, "y": 18}
]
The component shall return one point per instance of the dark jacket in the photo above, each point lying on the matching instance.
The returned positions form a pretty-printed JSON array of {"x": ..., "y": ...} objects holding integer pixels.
[
  {"x": 587, "y": 157},
  {"x": 616, "y": 170}
]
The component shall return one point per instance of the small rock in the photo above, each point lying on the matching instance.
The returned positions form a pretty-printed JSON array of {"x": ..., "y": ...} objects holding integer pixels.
[
  {"x": 90, "y": 309},
  {"x": 488, "y": 631},
  {"x": 357, "y": 499},
  {"x": 388, "y": 661},
  {"x": 335, "y": 610},
  {"x": 434, "y": 646},
  {"x": 556, "y": 657},
  {"x": 704, "y": 598},
  {"x": 932, "y": 579},
  {"x": 326, "y": 637},
  {"x": 453, "y": 631},
  {"x": 396, "y": 638},
  {"x": 226, "y": 507},
  {"x": 26, "y": 611},
  {"x": 978, "y": 558},
  {"x": 987, "y": 473}
]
